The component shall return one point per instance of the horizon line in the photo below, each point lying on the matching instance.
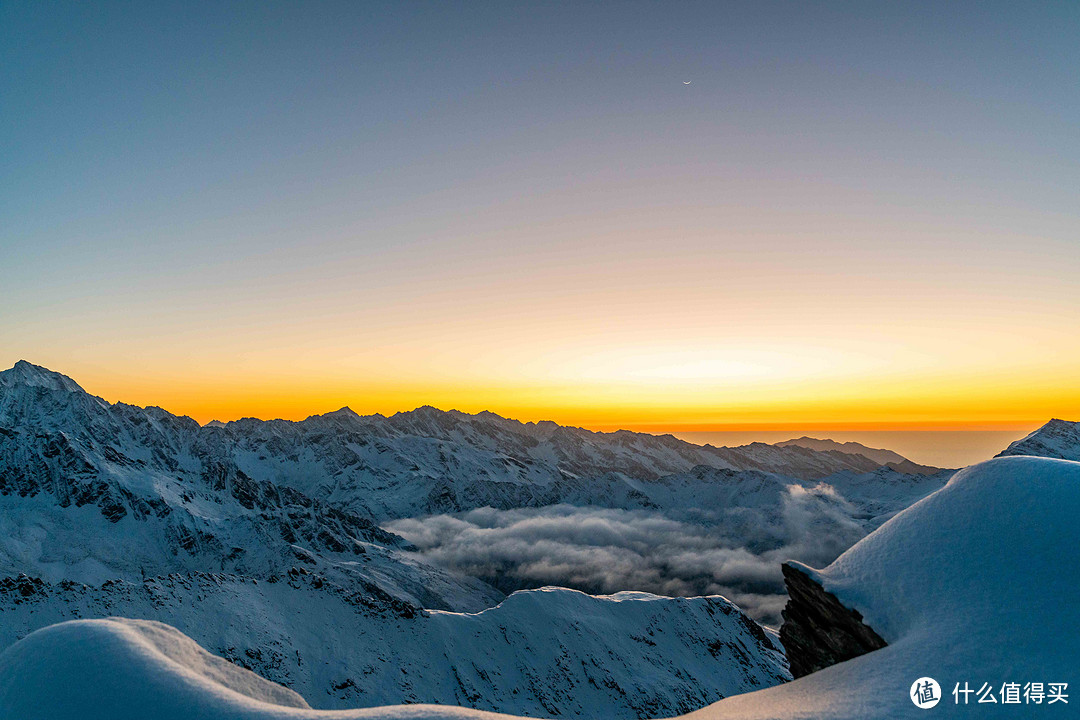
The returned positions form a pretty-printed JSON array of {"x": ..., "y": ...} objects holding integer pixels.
[
  {"x": 651, "y": 427},
  {"x": 833, "y": 426}
]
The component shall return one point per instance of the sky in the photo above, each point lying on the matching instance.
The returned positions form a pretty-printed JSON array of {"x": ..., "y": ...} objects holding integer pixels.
[{"x": 855, "y": 214}]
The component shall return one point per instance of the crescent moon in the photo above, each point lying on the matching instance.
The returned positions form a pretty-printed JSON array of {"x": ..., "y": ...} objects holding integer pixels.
[{"x": 687, "y": 82}]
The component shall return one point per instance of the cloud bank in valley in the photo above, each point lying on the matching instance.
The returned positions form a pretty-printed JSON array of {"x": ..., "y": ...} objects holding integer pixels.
[{"x": 735, "y": 552}]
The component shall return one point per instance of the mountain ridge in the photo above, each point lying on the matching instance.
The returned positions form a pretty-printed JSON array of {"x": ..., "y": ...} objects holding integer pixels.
[
  {"x": 568, "y": 451},
  {"x": 879, "y": 455}
]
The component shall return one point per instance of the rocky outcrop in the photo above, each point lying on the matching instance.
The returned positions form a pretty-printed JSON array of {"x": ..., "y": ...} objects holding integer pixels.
[{"x": 818, "y": 630}]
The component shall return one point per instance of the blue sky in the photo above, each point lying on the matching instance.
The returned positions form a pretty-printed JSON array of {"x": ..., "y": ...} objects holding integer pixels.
[{"x": 880, "y": 186}]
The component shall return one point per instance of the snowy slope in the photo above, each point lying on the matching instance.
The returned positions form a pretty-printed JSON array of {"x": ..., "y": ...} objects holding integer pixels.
[
  {"x": 214, "y": 532},
  {"x": 550, "y": 652},
  {"x": 136, "y": 664},
  {"x": 975, "y": 583}
]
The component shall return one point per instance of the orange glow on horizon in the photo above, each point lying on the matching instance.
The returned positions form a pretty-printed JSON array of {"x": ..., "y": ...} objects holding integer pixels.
[{"x": 856, "y": 405}]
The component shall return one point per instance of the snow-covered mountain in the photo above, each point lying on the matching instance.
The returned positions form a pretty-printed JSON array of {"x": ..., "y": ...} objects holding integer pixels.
[
  {"x": 123, "y": 492},
  {"x": 878, "y": 455},
  {"x": 1056, "y": 439},
  {"x": 92, "y": 491},
  {"x": 888, "y": 458},
  {"x": 412, "y": 463},
  {"x": 971, "y": 586}
]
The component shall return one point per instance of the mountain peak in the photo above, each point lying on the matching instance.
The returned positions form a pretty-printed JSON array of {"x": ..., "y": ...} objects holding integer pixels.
[
  {"x": 343, "y": 412},
  {"x": 26, "y": 373},
  {"x": 1056, "y": 439}
]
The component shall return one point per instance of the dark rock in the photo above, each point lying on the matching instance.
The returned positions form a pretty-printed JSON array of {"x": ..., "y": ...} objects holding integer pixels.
[
  {"x": 22, "y": 587},
  {"x": 818, "y": 630}
]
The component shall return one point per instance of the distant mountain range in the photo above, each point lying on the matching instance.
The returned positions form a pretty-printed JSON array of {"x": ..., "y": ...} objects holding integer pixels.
[
  {"x": 376, "y": 467},
  {"x": 878, "y": 456}
]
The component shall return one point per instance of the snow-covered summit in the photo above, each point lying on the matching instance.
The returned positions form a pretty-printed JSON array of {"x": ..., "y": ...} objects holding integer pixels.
[
  {"x": 1056, "y": 439},
  {"x": 127, "y": 654},
  {"x": 30, "y": 375}
]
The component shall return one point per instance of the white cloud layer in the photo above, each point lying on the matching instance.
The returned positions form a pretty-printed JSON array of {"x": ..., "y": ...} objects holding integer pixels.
[{"x": 734, "y": 552}]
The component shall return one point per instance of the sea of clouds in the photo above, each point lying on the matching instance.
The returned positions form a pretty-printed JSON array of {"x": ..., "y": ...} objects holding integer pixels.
[{"x": 734, "y": 552}]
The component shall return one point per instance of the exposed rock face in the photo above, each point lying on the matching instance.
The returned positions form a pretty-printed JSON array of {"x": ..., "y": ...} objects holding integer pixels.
[{"x": 818, "y": 631}]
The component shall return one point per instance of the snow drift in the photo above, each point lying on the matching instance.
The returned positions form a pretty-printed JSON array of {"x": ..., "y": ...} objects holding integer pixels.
[
  {"x": 975, "y": 583},
  {"x": 117, "y": 668}
]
